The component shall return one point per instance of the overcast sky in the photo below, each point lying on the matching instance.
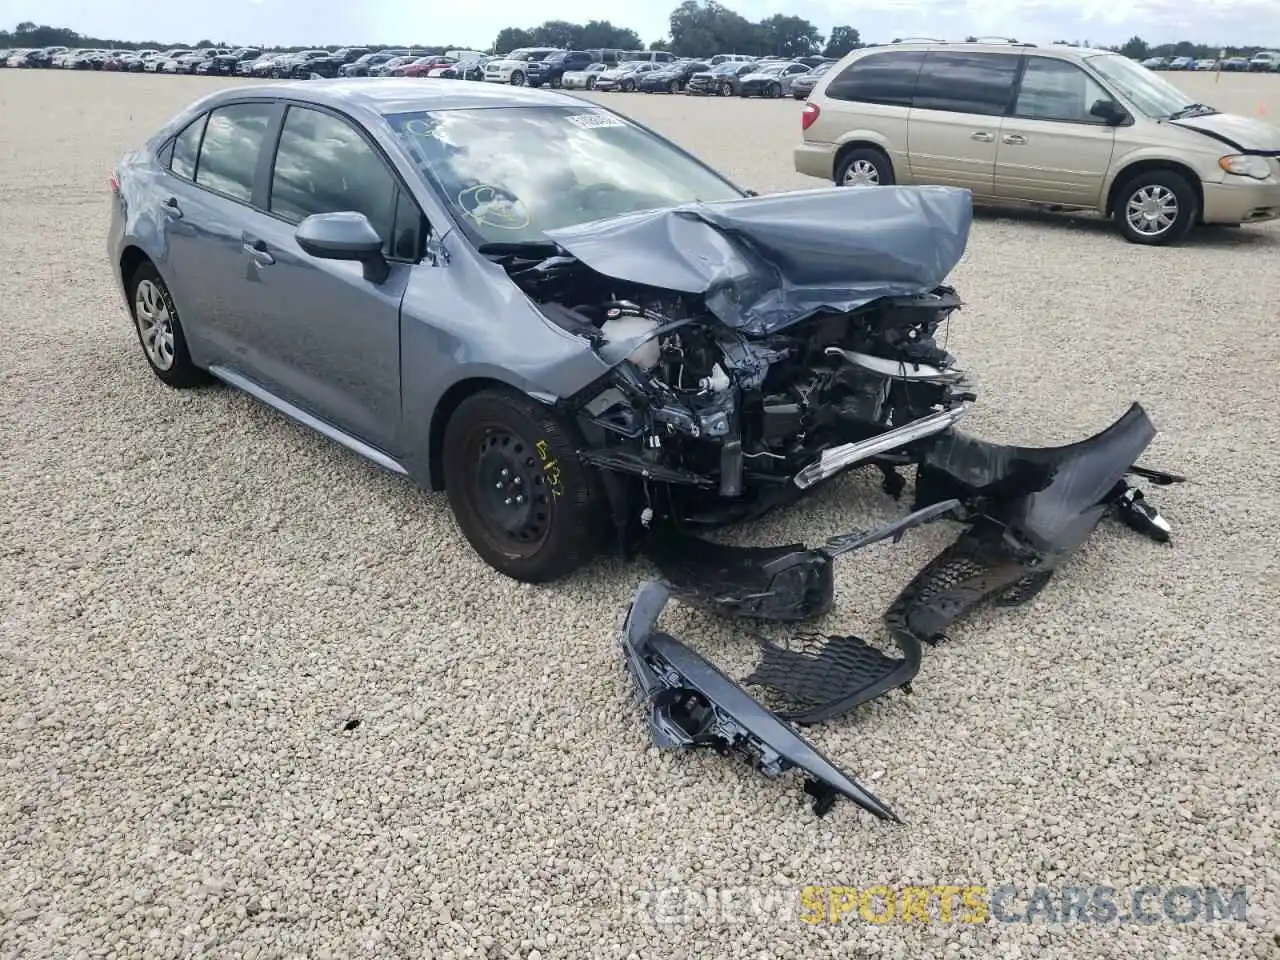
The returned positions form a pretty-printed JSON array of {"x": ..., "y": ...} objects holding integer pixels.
[{"x": 474, "y": 23}]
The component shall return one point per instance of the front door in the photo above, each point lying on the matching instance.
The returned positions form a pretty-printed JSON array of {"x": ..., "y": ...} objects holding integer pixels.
[
  {"x": 956, "y": 110},
  {"x": 1052, "y": 149},
  {"x": 327, "y": 339}
]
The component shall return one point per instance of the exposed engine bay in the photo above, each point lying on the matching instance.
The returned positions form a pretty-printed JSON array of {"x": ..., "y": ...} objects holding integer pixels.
[
  {"x": 757, "y": 349},
  {"x": 702, "y": 407}
]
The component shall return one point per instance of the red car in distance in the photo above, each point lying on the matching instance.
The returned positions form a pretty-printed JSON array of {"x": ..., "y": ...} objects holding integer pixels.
[{"x": 423, "y": 65}]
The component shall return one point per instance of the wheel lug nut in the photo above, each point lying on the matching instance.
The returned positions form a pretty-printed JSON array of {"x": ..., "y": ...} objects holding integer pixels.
[
  {"x": 506, "y": 473},
  {"x": 508, "y": 501},
  {"x": 497, "y": 486},
  {"x": 520, "y": 499},
  {"x": 517, "y": 481}
]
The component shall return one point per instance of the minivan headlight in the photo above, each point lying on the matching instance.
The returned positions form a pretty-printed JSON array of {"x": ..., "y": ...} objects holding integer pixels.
[{"x": 1243, "y": 166}]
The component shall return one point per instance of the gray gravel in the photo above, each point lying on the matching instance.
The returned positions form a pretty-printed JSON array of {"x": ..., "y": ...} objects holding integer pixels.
[{"x": 196, "y": 597}]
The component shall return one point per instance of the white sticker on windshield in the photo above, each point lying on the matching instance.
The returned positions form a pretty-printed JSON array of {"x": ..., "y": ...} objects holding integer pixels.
[{"x": 590, "y": 121}]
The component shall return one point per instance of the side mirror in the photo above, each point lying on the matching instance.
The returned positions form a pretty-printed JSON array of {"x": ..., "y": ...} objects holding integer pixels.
[
  {"x": 344, "y": 236},
  {"x": 1109, "y": 111}
]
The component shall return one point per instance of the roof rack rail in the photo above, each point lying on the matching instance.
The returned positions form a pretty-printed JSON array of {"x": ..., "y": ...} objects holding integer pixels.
[
  {"x": 917, "y": 40},
  {"x": 1009, "y": 40}
]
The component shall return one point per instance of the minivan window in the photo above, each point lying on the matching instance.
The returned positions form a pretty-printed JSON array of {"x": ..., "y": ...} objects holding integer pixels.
[
  {"x": 229, "y": 150},
  {"x": 962, "y": 82},
  {"x": 323, "y": 165},
  {"x": 1150, "y": 93},
  {"x": 887, "y": 78},
  {"x": 186, "y": 147},
  {"x": 1058, "y": 90}
]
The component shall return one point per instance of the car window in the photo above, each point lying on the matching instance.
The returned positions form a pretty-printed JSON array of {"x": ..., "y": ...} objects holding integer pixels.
[
  {"x": 186, "y": 148},
  {"x": 886, "y": 78},
  {"x": 797, "y": 68},
  {"x": 323, "y": 165},
  {"x": 960, "y": 82},
  {"x": 229, "y": 150},
  {"x": 1058, "y": 90}
]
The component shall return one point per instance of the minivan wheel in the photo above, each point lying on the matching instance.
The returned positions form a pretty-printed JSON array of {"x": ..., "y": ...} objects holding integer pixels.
[
  {"x": 1155, "y": 207},
  {"x": 524, "y": 501},
  {"x": 864, "y": 167},
  {"x": 155, "y": 320}
]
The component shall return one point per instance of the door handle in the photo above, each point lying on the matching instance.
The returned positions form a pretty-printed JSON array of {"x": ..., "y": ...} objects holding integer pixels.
[
  {"x": 982, "y": 136},
  {"x": 172, "y": 209},
  {"x": 1016, "y": 139},
  {"x": 257, "y": 251}
]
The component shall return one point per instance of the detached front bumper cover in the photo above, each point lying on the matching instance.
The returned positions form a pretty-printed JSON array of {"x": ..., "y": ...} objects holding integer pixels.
[{"x": 692, "y": 705}]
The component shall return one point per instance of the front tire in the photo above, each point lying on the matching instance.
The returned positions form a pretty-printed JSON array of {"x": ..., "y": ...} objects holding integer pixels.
[
  {"x": 864, "y": 167},
  {"x": 1155, "y": 207},
  {"x": 775, "y": 91},
  {"x": 160, "y": 334},
  {"x": 628, "y": 86},
  {"x": 521, "y": 497},
  {"x": 726, "y": 88},
  {"x": 517, "y": 79}
]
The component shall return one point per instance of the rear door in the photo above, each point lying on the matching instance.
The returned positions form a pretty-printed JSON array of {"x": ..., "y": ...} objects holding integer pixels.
[
  {"x": 1052, "y": 149},
  {"x": 325, "y": 338},
  {"x": 213, "y": 165},
  {"x": 956, "y": 111}
]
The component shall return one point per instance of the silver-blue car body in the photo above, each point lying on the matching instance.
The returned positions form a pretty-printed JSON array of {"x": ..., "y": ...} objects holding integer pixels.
[{"x": 571, "y": 325}]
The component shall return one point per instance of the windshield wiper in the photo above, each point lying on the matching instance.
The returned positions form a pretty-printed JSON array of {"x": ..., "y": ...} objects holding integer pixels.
[
  {"x": 525, "y": 249},
  {"x": 1193, "y": 109}
]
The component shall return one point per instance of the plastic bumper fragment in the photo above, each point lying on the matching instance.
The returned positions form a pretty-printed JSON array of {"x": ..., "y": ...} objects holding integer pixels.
[{"x": 692, "y": 704}]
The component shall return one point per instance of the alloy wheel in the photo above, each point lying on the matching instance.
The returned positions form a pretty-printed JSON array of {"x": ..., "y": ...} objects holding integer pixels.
[
  {"x": 862, "y": 173},
  {"x": 155, "y": 324},
  {"x": 1152, "y": 210}
]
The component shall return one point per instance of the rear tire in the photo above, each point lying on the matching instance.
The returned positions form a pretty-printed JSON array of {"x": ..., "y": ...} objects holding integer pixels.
[
  {"x": 775, "y": 91},
  {"x": 499, "y": 446},
  {"x": 1155, "y": 207},
  {"x": 864, "y": 167},
  {"x": 160, "y": 334}
]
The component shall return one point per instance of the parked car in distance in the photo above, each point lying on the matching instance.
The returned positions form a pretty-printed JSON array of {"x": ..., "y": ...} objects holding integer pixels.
[
  {"x": 624, "y": 76},
  {"x": 721, "y": 81},
  {"x": 720, "y": 58},
  {"x": 771, "y": 79},
  {"x": 550, "y": 70},
  {"x": 646, "y": 56},
  {"x": 423, "y": 66},
  {"x": 1265, "y": 61},
  {"x": 1235, "y": 64},
  {"x": 1156, "y": 63},
  {"x": 1061, "y": 128},
  {"x": 388, "y": 67},
  {"x": 243, "y": 253},
  {"x": 513, "y": 68},
  {"x": 803, "y": 85},
  {"x": 1203, "y": 65},
  {"x": 472, "y": 69},
  {"x": 1182, "y": 63},
  {"x": 364, "y": 66},
  {"x": 584, "y": 79},
  {"x": 671, "y": 77}
]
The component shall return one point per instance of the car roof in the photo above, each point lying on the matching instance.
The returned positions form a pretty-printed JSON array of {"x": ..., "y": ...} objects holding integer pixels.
[
  {"x": 1064, "y": 51},
  {"x": 391, "y": 95}
]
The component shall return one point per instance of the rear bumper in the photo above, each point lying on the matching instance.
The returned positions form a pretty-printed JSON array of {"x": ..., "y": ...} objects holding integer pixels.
[
  {"x": 815, "y": 159},
  {"x": 1250, "y": 201}
]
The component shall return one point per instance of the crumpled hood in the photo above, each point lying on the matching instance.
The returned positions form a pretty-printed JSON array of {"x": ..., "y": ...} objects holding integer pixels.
[
  {"x": 763, "y": 263},
  {"x": 1242, "y": 133}
]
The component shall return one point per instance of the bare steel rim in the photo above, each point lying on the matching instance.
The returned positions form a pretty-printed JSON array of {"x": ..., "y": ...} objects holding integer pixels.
[
  {"x": 1152, "y": 209},
  {"x": 862, "y": 173},
  {"x": 155, "y": 324}
]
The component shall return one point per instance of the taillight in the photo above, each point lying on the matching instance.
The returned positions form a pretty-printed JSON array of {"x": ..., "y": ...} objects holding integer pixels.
[
  {"x": 808, "y": 115},
  {"x": 114, "y": 182}
]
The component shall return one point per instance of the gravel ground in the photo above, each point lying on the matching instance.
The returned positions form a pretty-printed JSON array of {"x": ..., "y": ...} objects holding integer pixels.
[{"x": 200, "y": 599}]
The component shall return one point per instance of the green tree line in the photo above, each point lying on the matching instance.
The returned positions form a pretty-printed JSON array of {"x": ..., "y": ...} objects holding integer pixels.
[{"x": 696, "y": 28}]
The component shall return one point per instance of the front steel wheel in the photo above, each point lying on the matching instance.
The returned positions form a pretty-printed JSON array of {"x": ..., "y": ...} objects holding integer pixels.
[{"x": 522, "y": 498}]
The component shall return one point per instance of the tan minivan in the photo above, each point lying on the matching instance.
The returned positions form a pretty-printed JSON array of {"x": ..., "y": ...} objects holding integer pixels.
[{"x": 1063, "y": 128}]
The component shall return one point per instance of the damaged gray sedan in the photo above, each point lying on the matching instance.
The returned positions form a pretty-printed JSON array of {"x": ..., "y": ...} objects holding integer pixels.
[{"x": 579, "y": 331}]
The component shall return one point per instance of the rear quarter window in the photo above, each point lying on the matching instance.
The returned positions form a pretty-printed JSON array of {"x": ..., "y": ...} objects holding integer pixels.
[{"x": 886, "y": 78}]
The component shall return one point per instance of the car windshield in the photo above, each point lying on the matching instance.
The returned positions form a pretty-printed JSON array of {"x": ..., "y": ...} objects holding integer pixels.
[
  {"x": 510, "y": 173},
  {"x": 774, "y": 68},
  {"x": 1151, "y": 94}
]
